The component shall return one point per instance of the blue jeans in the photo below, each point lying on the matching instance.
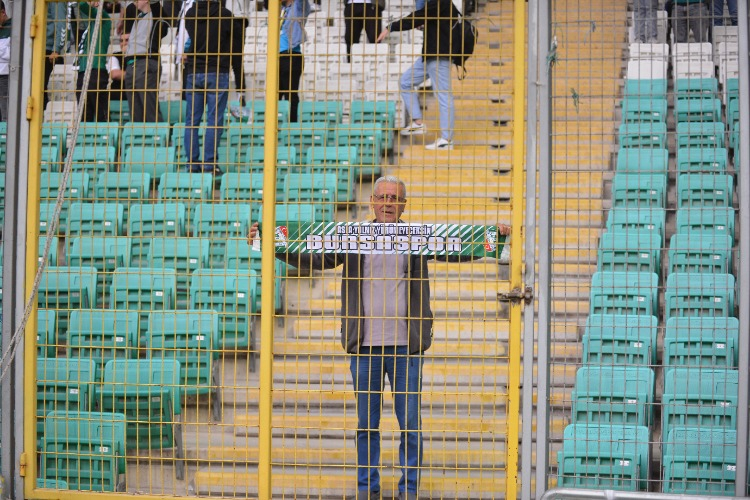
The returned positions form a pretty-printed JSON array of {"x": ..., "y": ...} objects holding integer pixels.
[
  {"x": 645, "y": 20},
  {"x": 439, "y": 71},
  {"x": 404, "y": 371},
  {"x": 719, "y": 12},
  {"x": 204, "y": 92}
]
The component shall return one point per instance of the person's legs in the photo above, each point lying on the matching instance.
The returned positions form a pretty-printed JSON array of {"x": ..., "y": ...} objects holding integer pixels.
[
  {"x": 152, "y": 75},
  {"x": 217, "y": 87},
  {"x": 372, "y": 22},
  {"x": 100, "y": 93},
  {"x": 285, "y": 76},
  {"x": 698, "y": 21},
  {"x": 350, "y": 24},
  {"x": 297, "y": 67},
  {"x": 367, "y": 378},
  {"x": 405, "y": 374},
  {"x": 439, "y": 71},
  {"x": 410, "y": 80},
  {"x": 194, "y": 95},
  {"x": 134, "y": 93},
  {"x": 641, "y": 18},
  {"x": 680, "y": 24},
  {"x": 718, "y": 12},
  {"x": 732, "y": 5},
  {"x": 652, "y": 30}
]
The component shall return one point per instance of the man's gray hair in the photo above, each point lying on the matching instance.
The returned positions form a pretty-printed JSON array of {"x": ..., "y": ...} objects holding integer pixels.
[{"x": 389, "y": 179}]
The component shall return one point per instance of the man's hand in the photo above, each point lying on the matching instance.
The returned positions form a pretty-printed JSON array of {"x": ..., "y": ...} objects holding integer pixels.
[
  {"x": 252, "y": 233},
  {"x": 53, "y": 57},
  {"x": 503, "y": 229},
  {"x": 382, "y": 36}
]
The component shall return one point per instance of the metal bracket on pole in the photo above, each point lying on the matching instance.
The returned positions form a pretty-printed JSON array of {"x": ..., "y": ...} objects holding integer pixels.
[{"x": 516, "y": 295}]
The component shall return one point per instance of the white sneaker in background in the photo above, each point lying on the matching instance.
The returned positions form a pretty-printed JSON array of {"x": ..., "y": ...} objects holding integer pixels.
[
  {"x": 414, "y": 128},
  {"x": 440, "y": 145}
]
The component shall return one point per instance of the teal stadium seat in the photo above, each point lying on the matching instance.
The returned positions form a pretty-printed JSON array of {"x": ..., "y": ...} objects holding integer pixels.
[
  {"x": 303, "y": 135},
  {"x": 699, "y": 294},
  {"x": 241, "y": 257},
  {"x": 698, "y": 109},
  {"x": 612, "y": 339},
  {"x": 317, "y": 189},
  {"x": 219, "y": 222},
  {"x": 291, "y": 213},
  {"x": 639, "y": 190},
  {"x": 50, "y": 158},
  {"x": 700, "y": 462},
  {"x": 382, "y": 112},
  {"x": 84, "y": 449},
  {"x": 93, "y": 160},
  {"x": 637, "y": 219},
  {"x": 644, "y": 109},
  {"x": 119, "y": 111},
  {"x": 705, "y": 190},
  {"x": 98, "y": 134},
  {"x": 252, "y": 159},
  {"x": 646, "y": 88},
  {"x": 699, "y": 397},
  {"x": 186, "y": 187},
  {"x": 643, "y": 135},
  {"x": 702, "y": 160},
  {"x": 95, "y": 219},
  {"x": 192, "y": 338},
  {"x": 686, "y": 88},
  {"x": 245, "y": 135},
  {"x": 154, "y": 160},
  {"x": 184, "y": 255},
  {"x": 173, "y": 112},
  {"x": 146, "y": 221},
  {"x": 104, "y": 253},
  {"x": 700, "y": 135},
  {"x": 247, "y": 188},
  {"x": 368, "y": 139},
  {"x": 331, "y": 112},
  {"x": 100, "y": 335},
  {"x": 46, "y": 333},
  {"x": 143, "y": 290},
  {"x": 613, "y": 395},
  {"x": 46, "y": 213},
  {"x": 718, "y": 220},
  {"x": 702, "y": 342},
  {"x": 700, "y": 253},
  {"x": 604, "y": 457},
  {"x": 55, "y": 133},
  {"x": 642, "y": 161},
  {"x": 258, "y": 109},
  {"x": 126, "y": 188},
  {"x": 66, "y": 289},
  {"x": 51, "y": 484},
  {"x": 733, "y": 111},
  {"x": 136, "y": 135},
  {"x": 614, "y": 292},
  {"x": 335, "y": 160},
  {"x": 635, "y": 250},
  {"x": 76, "y": 190}
]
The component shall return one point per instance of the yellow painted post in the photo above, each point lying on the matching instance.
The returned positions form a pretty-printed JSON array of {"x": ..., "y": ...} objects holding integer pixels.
[
  {"x": 517, "y": 176},
  {"x": 265, "y": 405}
]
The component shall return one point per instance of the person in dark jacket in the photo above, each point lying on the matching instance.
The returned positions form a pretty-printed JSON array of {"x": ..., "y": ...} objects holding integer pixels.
[
  {"x": 386, "y": 326},
  {"x": 96, "y": 107},
  {"x": 437, "y": 17},
  {"x": 358, "y": 15},
  {"x": 207, "y": 61}
]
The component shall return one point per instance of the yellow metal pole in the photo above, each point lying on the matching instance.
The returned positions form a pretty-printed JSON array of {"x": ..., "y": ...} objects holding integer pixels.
[
  {"x": 34, "y": 114},
  {"x": 517, "y": 176},
  {"x": 265, "y": 406}
]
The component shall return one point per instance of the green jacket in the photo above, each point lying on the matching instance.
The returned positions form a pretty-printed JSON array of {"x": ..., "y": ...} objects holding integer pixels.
[{"x": 87, "y": 15}]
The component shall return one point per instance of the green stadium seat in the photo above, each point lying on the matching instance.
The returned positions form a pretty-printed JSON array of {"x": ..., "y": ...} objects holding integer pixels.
[
  {"x": 382, "y": 112},
  {"x": 699, "y": 397},
  {"x": 95, "y": 219},
  {"x": 84, "y": 449},
  {"x": 646, "y": 88},
  {"x": 613, "y": 395},
  {"x": 637, "y": 219},
  {"x": 733, "y": 111},
  {"x": 635, "y": 250},
  {"x": 734, "y": 138},
  {"x": 104, "y": 253},
  {"x": 46, "y": 213},
  {"x": 137, "y": 135},
  {"x": 99, "y": 134},
  {"x": 101, "y": 335},
  {"x": 643, "y": 161},
  {"x": 700, "y": 462},
  {"x": 303, "y": 135},
  {"x": 218, "y": 222},
  {"x": 598, "y": 456},
  {"x": 55, "y": 133},
  {"x": 123, "y": 187},
  {"x": 77, "y": 189},
  {"x": 639, "y": 190},
  {"x": 93, "y": 160},
  {"x": 258, "y": 110},
  {"x": 46, "y": 333},
  {"x": 66, "y": 289},
  {"x": 643, "y": 135},
  {"x": 227, "y": 158},
  {"x": 335, "y": 160},
  {"x": 242, "y": 257},
  {"x": 244, "y": 135},
  {"x": 247, "y": 188},
  {"x": 698, "y": 109},
  {"x": 146, "y": 221},
  {"x": 188, "y": 188},
  {"x": 705, "y": 190},
  {"x": 700, "y": 253},
  {"x": 232, "y": 296},
  {"x": 697, "y": 160},
  {"x": 119, "y": 111},
  {"x": 147, "y": 392},
  {"x": 614, "y": 292},
  {"x": 317, "y": 189},
  {"x": 696, "y": 87},
  {"x": 700, "y": 135},
  {"x": 368, "y": 139},
  {"x": 50, "y": 158},
  {"x": 173, "y": 111},
  {"x": 702, "y": 342},
  {"x": 706, "y": 220},
  {"x": 291, "y": 213},
  {"x": 612, "y": 339},
  {"x": 184, "y": 255},
  {"x": 331, "y": 112},
  {"x": 51, "y": 484},
  {"x": 644, "y": 109},
  {"x": 63, "y": 384},
  {"x": 192, "y": 338},
  {"x": 154, "y": 161},
  {"x": 699, "y": 294}
]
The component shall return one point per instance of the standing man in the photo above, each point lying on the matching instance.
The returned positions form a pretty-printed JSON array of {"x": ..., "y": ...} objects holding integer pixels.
[
  {"x": 437, "y": 17},
  {"x": 690, "y": 15},
  {"x": 360, "y": 14},
  {"x": 386, "y": 327},
  {"x": 645, "y": 21},
  {"x": 207, "y": 50},
  {"x": 142, "y": 65},
  {"x": 718, "y": 8},
  {"x": 96, "y": 107},
  {"x": 5, "y": 26},
  {"x": 291, "y": 61},
  {"x": 57, "y": 33}
]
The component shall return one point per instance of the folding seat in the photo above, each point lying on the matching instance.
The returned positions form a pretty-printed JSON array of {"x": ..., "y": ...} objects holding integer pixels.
[
  {"x": 219, "y": 221},
  {"x": 258, "y": 110},
  {"x": 697, "y": 160},
  {"x": 291, "y": 213},
  {"x": 731, "y": 91},
  {"x": 147, "y": 392},
  {"x": 688, "y": 70},
  {"x": 603, "y": 456},
  {"x": 686, "y": 88},
  {"x": 331, "y": 112},
  {"x": 143, "y": 290},
  {"x": 247, "y": 188},
  {"x": 639, "y": 190},
  {"x": 56, "y": 135},
  {"x": 700, "y": 253},
  {"x": 244, "y": 135},
  {"x": 647, "y": 70},
  {"x": 173, "y": 112},
  {"x": 104, "y": 253},
  {"x": 46, "y": 333},
  {"x": 252, "y": 159},
  {"x": 184, "y": 255},
  {"x": 303, "y": 135},
  {"x": 105, "y": 134},
  {"x": 242, "y": 257},
  {"x": 706, "y": 220},
  {"x": 335, "y": 160},
  {"x": 700, "y": 461},
  {"x": 192, "y": 338},
  {"x": 76, "y": 190},
  {"x": 66, "y": 289},
  {"x": 611, "y": 339},
  {"x": 93, "y": 160},
  {"x": 698, "y": 109},
  {"x": 704, "y": 190},
  {"x": 50, "y": 158},
  {"x": 702, "y": 342},
  {"x": 368, "y": 139},
  {"x": 638, "y": 219},
  {"x": 317, "y": 189},
  {"x": 227, "y": 158},
  {"x": 51, "y": 484},
  {"x": 614, "y": 292},
  {"x": 231, "y": 294},
  {"x": 699, "y": 294},
  {"x": 734, "y": 139},
  {"x": 613, "y": 395},
  {"x": 188, "y": 188},
  {"x": 125, "y": 188},
  {"x": 733, "y": 111},
  {"x": 699, "y": 397},
  {"x": 84, "y": 449},
  {"x": 95, "y": 219},
  {"x": 119, "y": 111},
  {"x": 100, "y": 335},
  {"x": 648, "y": 51},
  {"x": 635, "y": 250},
  {"x": 643, "y": 135},
  {"x": 382, "y": 112},
  {"x": 137, "y": 135},
  {"x": 155, "y": 160},
  {"x": 644, "y": 110},
  {"x": 700, "y": 135},
  {"x": 645, "y": 88},
  {"x": 642, "y": 160},
  {"x": 146, "y": 221},
  {"x": 46, "y": 212}
]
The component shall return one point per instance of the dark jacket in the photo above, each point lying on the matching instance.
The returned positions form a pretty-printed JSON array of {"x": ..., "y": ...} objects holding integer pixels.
[
  {"x": 209, "y": 26},
  {"x": 438, "y": 18}
]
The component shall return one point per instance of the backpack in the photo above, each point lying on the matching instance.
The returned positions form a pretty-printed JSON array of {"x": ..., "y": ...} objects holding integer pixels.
[{"x": 464, "y": 37}]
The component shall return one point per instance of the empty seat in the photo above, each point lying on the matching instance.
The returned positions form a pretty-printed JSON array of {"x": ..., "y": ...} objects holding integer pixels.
[
  {"x": 686, "y": 88},
  {"x": 706, "y": 220},
  {"x": 258, "y": 109},
  {"x": 152, "y": 160},
  {"x": 647, "y": 70},
  {"x": 699, "y": 294},
  {"x": 337, "y": 160},
  {"x": 99, "y": 133},
  {"x": 644, "y": 109},
  {"x": 95, "y": 219},
  {"x": 317, "y": 189},
  {"x": 646, "y": 88},
  {"x": 66, "y": 289},
  {"x": 639, "y": 190},
  {"x": 135, "y": 135},
  {"x": 46, "y": 216},
  {"x": 634, "y": 250},
  {"x": 243, "y": 136},
  {"x": 638, "y": 219},
  {"x": 46, "y": 333},
  {"x": 331, "y": 112},
  {"x": 642, "y": 160},
  {"x": 613, "y": 395},
  {"x": 143, "y": 290},
  {"x": 615, "y": 292},
  {"x": 700, "y": 135},
  {"x": 242, "y": 257},
  {"x": 100, "y": 335},
  {"x": 291, "y": 213},
  {"x": 146, "y": 221},
  {"x": 104, "y": 253},
  {"x": 368, "y": 139},
  {"x": 184, "y": 255},
  {"x": 700, "y": 253},
  {"x": 218, "y": 222},
  {"x": 119, "y": 111},
  {"x": 246, "y": 187},
  {"x": 55, "y": 133},
  {"x": 705, "y": 190},
  {"x": 303, "y": 135},
  {"x": 643, "y": 135},
  {"x": 93, "y": 160},
  {"x": 382, "y": 112},
  {"x": 700, "y": 461},
  {"x": 123, "y": 187},
  {"x": 76, "y": 190},
  {"x": 698, "y": 109},
  {"x": 186, "y": 187},
  {"x": 50, "y": 158},
  {"x": 604, "y": 457},
  {"x": 702, "y": 342},
  {"x": 611, "y": 339},
  {"x": 252, "y": 159}
]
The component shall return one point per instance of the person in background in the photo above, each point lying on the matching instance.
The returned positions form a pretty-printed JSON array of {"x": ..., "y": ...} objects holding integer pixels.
[
  {"x": 239, "y": 24},
  {"x": 127, "y": 17},
  {"x": 645, "y": 21},
  {"x": 294, "y": 15},
  {"x": 718, "y": 12},
  {"x": 359, "y": 14},
  {"x": 5, "y": 41},
  {"x": 96, "y": 107},
  {"x": 690, "y": 15},
  {"x": 57, "y": 33},
  {"x": 116, "y": 72}
]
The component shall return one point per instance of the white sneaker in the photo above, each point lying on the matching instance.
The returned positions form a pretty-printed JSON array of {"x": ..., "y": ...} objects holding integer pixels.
[
  {"x": 414, "y": 128},
  {"x": 241, "y": 113},
  {"x": 440, "y": 145}
]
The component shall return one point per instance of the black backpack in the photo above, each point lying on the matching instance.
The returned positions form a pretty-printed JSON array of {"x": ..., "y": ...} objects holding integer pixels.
[{"x": 464, "y": 37}]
